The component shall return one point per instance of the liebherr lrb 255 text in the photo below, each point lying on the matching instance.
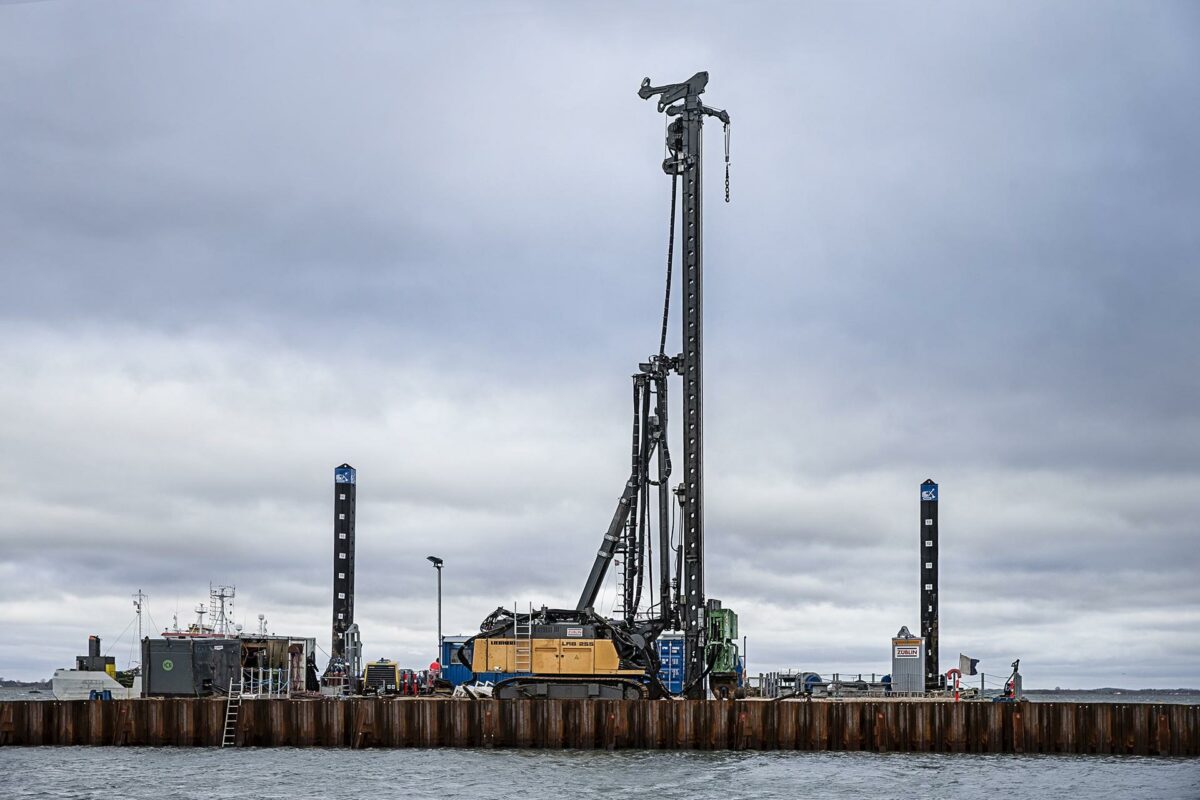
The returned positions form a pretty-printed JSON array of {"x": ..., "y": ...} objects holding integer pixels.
[{"x": 580, "y": 652}]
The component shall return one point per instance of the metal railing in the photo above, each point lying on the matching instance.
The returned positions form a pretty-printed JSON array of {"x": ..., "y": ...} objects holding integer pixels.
[
  {"x": 267, "y": 683},
  {"x": 803, "y": 683}
]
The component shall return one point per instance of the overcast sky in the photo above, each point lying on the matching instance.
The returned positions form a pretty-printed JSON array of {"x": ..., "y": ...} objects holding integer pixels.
[{"x": 241, "y": 243}]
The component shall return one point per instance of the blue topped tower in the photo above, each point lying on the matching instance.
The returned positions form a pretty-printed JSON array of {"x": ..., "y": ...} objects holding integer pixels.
[
  {"x": 929, "y": 583},
  {"x": 344, "y": 486}
]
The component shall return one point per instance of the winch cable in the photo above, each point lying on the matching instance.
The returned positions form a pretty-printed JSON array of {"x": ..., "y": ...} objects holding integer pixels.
[
  {"x": 712, "y": 662},
  {"x": 650, "y": 558},
  {"x": 488, "y": 629},
  {"x": 662, "y": 342},
  {"x": 726, "y": 162},
  {"x": 662, "y": 352},
  {"x": 678, "y": 555},
  {"x": 648, "y": 656},
  {"x": 120, "y": 637}
]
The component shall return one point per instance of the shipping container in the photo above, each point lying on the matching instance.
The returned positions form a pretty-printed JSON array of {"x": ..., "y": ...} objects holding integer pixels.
[
  {"x": 178, "y": 667},
  {"x": 670, "y": 656}
]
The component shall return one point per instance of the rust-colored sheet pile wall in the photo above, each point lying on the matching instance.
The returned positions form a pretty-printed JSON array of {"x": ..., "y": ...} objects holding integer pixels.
[{"x": 1100, "y": 728}]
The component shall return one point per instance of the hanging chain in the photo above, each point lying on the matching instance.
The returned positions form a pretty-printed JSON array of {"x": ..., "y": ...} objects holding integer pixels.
[{"x": 726, "y": 162}]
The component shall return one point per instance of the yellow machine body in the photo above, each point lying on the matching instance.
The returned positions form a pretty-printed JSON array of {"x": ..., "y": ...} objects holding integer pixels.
[{"x": 578, "y": 657}]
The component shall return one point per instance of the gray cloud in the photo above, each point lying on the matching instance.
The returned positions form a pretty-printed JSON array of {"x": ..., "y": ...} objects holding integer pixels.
[{"x": 243, "y": 245}]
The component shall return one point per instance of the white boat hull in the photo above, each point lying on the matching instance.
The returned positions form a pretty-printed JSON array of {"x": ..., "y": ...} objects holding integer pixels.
[{"x": 76, "y": 684}]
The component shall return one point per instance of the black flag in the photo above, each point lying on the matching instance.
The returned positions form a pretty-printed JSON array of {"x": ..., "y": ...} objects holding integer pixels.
[{"x": 966, "y": 664}]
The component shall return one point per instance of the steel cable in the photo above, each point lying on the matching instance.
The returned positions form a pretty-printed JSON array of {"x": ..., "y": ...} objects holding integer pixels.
[{"x": 662, "y": 342}]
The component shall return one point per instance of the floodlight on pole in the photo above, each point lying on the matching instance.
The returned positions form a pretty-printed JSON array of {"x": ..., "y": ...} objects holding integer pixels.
[{"x": 437, "y": 564}]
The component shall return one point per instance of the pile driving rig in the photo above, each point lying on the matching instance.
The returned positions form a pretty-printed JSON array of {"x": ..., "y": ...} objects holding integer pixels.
[{"x": 580, "y": 653}]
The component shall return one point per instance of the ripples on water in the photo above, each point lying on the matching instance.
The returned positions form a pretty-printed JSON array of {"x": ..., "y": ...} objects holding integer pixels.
[{"x": 83, "y": 773}]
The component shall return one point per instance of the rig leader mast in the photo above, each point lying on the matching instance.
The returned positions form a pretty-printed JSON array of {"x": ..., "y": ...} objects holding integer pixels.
[
  {"x": 684, "y": 141},
  {"x": 616, "y": 657}
]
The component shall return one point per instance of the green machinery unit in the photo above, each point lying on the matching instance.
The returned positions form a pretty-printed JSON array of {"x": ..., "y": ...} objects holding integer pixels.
[{"x": 724, "y": 677}]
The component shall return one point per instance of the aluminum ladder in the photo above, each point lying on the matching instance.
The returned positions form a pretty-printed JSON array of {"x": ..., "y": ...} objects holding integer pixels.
[
  {"x": 522, "y": 641},
  {"x": 233, "y": 703}
]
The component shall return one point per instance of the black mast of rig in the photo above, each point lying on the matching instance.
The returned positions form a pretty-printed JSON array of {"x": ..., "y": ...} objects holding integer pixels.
[
  {"x": 684, "y": 140},
  {"x": 681, "y": 599},
  {"x": 345, "y": 488},
  {"x": 929, "y": 583}
]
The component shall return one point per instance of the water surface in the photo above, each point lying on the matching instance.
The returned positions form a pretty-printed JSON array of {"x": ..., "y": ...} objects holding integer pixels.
[{"x": 83, "y": 773}]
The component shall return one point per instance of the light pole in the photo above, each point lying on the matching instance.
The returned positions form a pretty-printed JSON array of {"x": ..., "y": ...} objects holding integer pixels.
[
  {"x": 745, "y": 665},
  {"x": 437, "y": 564}
]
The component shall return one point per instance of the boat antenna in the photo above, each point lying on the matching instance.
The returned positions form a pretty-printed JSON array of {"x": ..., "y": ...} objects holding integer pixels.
[
  {"x": 220, "y": 606},
  {"x": 139, "y": 598}
]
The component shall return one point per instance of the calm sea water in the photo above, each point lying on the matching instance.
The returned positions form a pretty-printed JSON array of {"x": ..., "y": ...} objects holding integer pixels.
[{"x": 81, "y": 773}]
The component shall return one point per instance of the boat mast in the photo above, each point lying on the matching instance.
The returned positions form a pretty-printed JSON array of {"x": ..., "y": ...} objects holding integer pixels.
[{"x": 139, "y": 598}]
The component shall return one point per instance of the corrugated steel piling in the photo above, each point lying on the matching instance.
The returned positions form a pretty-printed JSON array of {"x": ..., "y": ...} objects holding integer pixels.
[{"x": 1075, "y": 728}]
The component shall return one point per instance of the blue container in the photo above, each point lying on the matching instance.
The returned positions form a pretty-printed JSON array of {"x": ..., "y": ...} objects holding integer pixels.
[
  {"x": 670, "y": 654},
  {"x": 453, "y": 671}
]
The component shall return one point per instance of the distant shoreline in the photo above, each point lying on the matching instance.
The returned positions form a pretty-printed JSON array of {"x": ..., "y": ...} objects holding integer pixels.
[
  {"x": 1110, "y": 690},
  {"x": 7, "y": 684}
]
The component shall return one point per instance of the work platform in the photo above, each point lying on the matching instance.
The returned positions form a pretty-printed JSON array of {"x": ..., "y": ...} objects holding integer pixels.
[{"x": 1070, "y": 728}]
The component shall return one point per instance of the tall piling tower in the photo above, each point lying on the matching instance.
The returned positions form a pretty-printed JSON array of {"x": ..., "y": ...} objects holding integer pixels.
[
  {"x": 681, "y": 101},
  {"x": 344, "y": 487},
  {"x": 929, "y": 583}
]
